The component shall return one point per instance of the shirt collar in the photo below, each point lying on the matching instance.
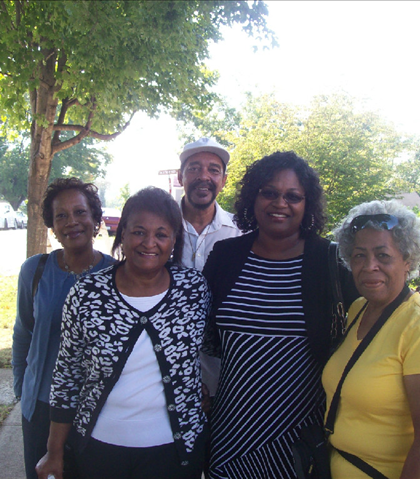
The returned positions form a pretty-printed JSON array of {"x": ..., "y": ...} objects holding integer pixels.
[{"x": 221, "y": 217}]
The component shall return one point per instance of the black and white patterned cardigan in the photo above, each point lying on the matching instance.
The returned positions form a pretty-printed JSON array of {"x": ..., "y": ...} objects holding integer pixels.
[{"x": 99, "y": 330}]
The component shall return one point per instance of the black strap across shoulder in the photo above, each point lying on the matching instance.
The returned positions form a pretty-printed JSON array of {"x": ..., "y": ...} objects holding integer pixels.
[
  {"x": 38, "y": 273},
  {"x": 35, "y": 281},
  {"x": 329, "y": 424}
]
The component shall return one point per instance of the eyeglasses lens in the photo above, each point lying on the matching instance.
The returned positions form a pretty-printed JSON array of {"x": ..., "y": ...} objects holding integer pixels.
[
  {"x": 384, "y": 221},
  {"x": 272, "y": 195}
]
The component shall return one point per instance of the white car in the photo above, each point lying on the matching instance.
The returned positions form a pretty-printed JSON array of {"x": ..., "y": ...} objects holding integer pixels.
[
  {"x": 21, "y": 219},
  {"x": 7, "y": 216}
]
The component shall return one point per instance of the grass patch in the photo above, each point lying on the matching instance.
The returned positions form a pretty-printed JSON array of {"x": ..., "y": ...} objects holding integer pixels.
[
  {"x": 5, "y": 411},
  {"x": 8, "y": 292},
  {"x": 6, "y": 355}
]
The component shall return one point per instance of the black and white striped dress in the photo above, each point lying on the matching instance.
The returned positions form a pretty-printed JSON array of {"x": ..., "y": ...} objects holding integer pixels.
[{"x": 270, "y": 382}]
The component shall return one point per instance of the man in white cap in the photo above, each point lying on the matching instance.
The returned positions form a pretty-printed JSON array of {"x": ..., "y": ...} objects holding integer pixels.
[{"x": 203, "y": 176}]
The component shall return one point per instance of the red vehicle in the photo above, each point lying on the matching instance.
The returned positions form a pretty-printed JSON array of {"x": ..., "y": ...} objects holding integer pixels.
[{"x": 111, "y": 217}]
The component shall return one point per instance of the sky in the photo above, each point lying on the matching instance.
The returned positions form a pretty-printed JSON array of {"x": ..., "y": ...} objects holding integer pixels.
[{"x": 368, "y": 49}]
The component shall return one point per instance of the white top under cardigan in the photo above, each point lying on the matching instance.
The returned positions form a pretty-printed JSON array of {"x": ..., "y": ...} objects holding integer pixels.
[
  {"x": 135, "y": 412},
  {"x": 99, "y": 331}
]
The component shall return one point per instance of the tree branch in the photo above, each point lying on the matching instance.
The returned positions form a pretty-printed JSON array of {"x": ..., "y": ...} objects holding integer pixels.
[
  {"x": 84, "y": 132},
  {"x": 73, "y": 141},
  {"x": 63, "y": 111},
  {"x": 18, "y": 13},
  {"x": 32, "y": 100},
  {"x": 63, "y": 145},
  {"x": 4, "y": 8}
]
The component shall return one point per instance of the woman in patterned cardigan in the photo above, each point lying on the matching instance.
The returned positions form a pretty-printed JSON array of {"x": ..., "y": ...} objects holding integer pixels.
[{"x": 128, "y": 374}]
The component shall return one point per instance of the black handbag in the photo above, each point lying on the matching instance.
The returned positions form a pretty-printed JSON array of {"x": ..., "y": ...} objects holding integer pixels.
[
  {"x": 310, "y": 453},
  {"x": 339, "y": 317}
]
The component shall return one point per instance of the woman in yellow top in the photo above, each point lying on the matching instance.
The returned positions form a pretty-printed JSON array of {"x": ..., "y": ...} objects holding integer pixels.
[{"x": 378, "y": 417}]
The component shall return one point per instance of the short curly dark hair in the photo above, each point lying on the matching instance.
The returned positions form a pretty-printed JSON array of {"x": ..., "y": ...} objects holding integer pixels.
[
  {"x": 259, "y": 173},
  {"x": 157, "y": 201},
  {"x": 63, "y": 184}
]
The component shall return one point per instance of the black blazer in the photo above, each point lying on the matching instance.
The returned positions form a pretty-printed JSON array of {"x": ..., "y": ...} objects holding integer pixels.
[{"x": 226, "y": 261}]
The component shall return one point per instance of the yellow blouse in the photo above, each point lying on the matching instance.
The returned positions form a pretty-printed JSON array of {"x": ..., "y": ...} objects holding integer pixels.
[{"x": 373, "y": 418}]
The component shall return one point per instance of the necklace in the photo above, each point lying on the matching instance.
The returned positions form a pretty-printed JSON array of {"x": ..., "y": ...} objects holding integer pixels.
[
  {"x": 194, "y": 252},
  {"x": 84, "y": 272}
]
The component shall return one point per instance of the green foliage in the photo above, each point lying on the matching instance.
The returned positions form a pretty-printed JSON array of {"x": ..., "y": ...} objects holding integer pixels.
[
  {"x": 88, "y": 66},
  {"x": 352, "y": 149},
  {"x": 407, "y": 173},
  {"x": 14, "y": 166},
  {"x": 114, "y": 57},
  {"x": 85, "y": 160},
  {"x": 213, "y": 121},
  {"x": 124, "y": 194}
]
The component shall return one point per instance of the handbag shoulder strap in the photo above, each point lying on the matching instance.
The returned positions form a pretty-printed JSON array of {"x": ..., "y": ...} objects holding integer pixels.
[
  {"x": 386, "y": 313},
  {"x": 38, "y": 273},
  {"x": 35, "y": 281},
  {"x": 362, "y": 465},
  {"x": 339, "y": 314}
]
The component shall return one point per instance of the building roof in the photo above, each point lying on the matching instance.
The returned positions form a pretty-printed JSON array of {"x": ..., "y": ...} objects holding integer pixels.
[{"x": 409, "y": 199}]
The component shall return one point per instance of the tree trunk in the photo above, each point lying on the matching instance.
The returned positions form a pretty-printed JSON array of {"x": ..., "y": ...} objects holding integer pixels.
[{"x": 44, "y": 107}]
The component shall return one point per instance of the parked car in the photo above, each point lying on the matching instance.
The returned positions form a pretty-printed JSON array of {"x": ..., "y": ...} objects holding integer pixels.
[
  {"x": 21, "y": 219},
  {"x": 7, "y": 216},
  {"x": 111, "y": 217}
]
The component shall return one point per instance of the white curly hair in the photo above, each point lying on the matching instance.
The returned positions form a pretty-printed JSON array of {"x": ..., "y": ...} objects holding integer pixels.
[{"x": 406, "y": 234}]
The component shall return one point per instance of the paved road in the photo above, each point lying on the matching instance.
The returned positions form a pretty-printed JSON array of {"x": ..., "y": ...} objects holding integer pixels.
[{"x": 13, "y": 249}]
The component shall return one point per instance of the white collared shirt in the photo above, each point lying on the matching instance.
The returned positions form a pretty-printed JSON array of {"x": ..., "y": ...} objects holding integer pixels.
[
  {"x": 198, "y": 247},
  {"x": 220, "y": 228}
]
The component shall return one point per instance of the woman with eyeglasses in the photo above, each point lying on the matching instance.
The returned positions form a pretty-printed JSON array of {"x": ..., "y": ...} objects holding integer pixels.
[
  {"x": 378, "y": 418},
  {"x": 271, "y": 321}
]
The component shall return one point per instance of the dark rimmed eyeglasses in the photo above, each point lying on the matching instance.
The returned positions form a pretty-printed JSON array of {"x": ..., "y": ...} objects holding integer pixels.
[
  {"x": 271, "y": 194},
  {"x": 384, "y": 221}
]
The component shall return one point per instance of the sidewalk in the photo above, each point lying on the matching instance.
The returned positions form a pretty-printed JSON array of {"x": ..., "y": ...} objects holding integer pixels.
[{"x": 11, "y": 445}]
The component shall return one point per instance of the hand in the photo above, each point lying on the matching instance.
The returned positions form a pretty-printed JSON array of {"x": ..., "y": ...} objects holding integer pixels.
[
  {"x": 206, "y": 401},
  {"x": 50, "y": 466}
]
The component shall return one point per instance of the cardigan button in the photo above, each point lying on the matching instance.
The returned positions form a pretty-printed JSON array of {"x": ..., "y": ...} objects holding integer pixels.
[
  {"x": 143, "y": 320},
  {"x": 166, "y": 379},
  {"x": 184, "y": 463},
  {"x": 177, "y": 435},
  {"x": 157, "y": 348},
  {"x": 171, "y": 407}
]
